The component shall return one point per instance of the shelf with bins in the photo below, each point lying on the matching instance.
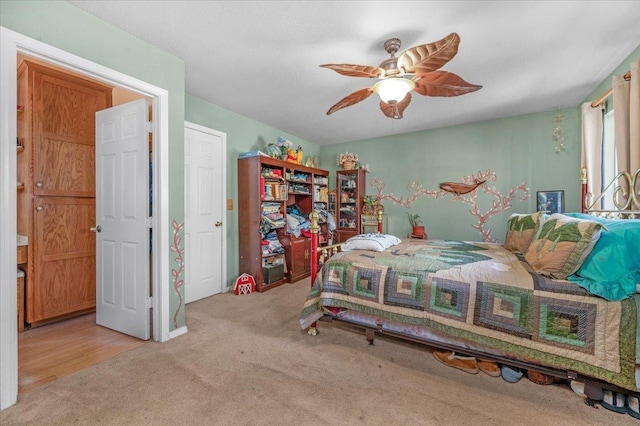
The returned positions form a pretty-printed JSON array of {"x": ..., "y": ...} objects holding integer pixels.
[
  {"x": 269, "y": 189},
  {"x": 273, "y": 185},
  {"x": 274, "y": 195},
  {"x": 299, "y": 182},
  {"x": 300, "y": 204}
]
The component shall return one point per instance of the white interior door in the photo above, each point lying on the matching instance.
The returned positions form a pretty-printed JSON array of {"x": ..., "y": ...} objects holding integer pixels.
[
  {"x": 204, "y": 209},
  {"x": 122, "y": 232}
]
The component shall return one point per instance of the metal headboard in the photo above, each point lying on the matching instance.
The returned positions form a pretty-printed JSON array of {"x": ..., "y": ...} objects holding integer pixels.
[{"x": 624, "y": 191}]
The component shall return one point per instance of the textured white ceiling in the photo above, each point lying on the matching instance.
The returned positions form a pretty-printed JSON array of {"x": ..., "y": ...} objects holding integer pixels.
[{"x": 261, "y": 59}]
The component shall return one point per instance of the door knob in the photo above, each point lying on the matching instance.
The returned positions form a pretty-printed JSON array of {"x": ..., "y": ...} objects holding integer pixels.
[
  {"x": 39, "y": 184},
  {"x": 218, "y": 223},
  {"x": 96, "y": 228}
]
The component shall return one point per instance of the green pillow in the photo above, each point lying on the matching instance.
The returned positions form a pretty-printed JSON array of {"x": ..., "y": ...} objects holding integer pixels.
[
  {"x": 521, "y": 228},
  {"x": 561, "y": 245},
  {"x": 612, "y": 270}
]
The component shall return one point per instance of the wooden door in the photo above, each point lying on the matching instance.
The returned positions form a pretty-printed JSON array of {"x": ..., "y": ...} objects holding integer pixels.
[
  {"x": 64, "y": 133},
  {"x": 57, "y": 207},
  {"x": 65, "y": 258}
]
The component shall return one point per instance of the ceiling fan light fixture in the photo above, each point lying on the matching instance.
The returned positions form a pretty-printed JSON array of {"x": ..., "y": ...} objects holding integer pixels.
[{"x": 394, "y": 89}]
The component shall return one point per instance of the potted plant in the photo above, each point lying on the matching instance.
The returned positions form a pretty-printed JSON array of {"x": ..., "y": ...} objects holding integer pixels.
[{"x": 416, "y": 224}]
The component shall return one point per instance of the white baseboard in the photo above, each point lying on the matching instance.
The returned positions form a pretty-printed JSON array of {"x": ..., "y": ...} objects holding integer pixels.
[{"x": 178, "y": 332}]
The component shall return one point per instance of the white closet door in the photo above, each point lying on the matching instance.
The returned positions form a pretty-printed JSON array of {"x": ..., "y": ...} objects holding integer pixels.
[
  {"x": 122, "y": 233},
  {"x": 204, "y": 212}
]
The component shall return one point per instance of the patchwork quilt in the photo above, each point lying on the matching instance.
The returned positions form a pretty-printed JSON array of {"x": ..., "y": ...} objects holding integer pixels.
[{"x": 483, "y": 294}]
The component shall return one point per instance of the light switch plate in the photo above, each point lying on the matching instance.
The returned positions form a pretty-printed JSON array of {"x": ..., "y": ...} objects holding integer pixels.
[{"x": 230, "y": 204}]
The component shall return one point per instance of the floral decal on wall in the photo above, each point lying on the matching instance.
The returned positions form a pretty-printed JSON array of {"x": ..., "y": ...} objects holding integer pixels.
[
  {"x": 499, "y": 204},
  {"x": 177, "y": 281}
]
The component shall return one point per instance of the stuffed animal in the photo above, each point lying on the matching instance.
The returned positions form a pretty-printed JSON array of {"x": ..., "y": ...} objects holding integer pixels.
[
  {"x": 300, "y": 154},
  {"x": 292, "y": 155}
]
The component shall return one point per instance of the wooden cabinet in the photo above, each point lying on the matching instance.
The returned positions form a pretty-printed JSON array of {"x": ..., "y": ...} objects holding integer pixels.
[
  {"x": 257, "y": 203},
  {"x": 268, "y": 190},
  {"x": 56, "y": 207},
  {"x": 300, "y": 258},
  {"x": 350, "y": 190},
  {"x": 65, "y": 257}
]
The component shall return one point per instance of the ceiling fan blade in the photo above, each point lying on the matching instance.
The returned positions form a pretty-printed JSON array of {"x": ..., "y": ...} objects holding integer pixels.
[
  {"x": 395, "y": 110},
  {"x": 429, "y": 57},
  {"x": 351, "y": 99},
  {"x": 355, "y": 70},
  {"x": 442, "y": 83}
]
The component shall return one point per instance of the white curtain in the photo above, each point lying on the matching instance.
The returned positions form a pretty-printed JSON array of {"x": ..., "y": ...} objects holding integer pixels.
[
  {"x": 626, "y": 104},
  {"x": 592, "y": 146}
]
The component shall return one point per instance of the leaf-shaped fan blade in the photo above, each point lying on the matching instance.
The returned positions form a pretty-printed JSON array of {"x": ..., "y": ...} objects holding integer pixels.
[
  {"x": 395, "y": 110},
  {"x": 429, "y": 57},
  {"x": 355, "y": 70},
  {"x": 351, "y": 99},
  {"x": 442, "y": 83}
]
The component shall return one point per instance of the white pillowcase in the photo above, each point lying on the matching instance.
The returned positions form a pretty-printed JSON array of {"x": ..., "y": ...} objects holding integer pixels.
[{"x": 374, "y": 242}]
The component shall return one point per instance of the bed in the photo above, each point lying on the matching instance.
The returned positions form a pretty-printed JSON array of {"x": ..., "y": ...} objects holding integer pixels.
[{"x": 541, "y": 301}]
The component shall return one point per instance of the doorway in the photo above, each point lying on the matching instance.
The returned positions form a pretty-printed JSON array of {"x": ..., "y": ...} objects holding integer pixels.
[
  {"x": 63, "y": 344},
  {"x": 11, "y": 44}
]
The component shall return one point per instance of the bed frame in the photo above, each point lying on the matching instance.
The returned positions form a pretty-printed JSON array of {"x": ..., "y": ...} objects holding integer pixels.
[{"x": 625, "y": 190}]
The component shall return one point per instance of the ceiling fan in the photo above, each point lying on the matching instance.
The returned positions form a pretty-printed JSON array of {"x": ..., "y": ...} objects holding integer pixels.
[{"x": 422, "y": 62}]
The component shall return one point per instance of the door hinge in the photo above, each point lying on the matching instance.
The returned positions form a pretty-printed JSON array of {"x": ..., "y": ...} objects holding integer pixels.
[
  {"x": 149, "y": 302},
  {"x": 148, "y": 222},
  {"x": 148, "y": 126}
]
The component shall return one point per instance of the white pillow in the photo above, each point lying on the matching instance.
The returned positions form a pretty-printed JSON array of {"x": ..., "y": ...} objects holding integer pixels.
[{"x": 374, "y": 242}]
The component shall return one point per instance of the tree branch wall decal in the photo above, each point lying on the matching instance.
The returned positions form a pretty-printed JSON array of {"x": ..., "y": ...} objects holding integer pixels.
[
  {"x": 500, "y": 203},
  {"x": 176, "y": 273}
]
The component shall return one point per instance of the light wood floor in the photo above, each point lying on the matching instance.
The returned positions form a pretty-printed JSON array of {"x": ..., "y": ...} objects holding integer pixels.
[{"x": 53, "y": 351}]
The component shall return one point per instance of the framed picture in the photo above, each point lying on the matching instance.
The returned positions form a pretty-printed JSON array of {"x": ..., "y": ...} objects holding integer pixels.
[{"x": 551, "y": 201}]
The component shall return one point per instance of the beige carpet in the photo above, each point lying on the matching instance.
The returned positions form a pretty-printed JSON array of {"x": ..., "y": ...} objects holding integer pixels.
[{"x": 246, "y": 361}]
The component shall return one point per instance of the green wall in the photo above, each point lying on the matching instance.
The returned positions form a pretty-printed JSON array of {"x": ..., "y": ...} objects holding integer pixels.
[
  {"x": 518, "y": 150},
  {"x": 243, "y": 134},
  {"x": 69, "y": 28}
]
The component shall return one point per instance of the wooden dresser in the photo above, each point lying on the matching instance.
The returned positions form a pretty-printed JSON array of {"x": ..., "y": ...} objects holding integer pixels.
[{"x": 56, "y": 201}]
